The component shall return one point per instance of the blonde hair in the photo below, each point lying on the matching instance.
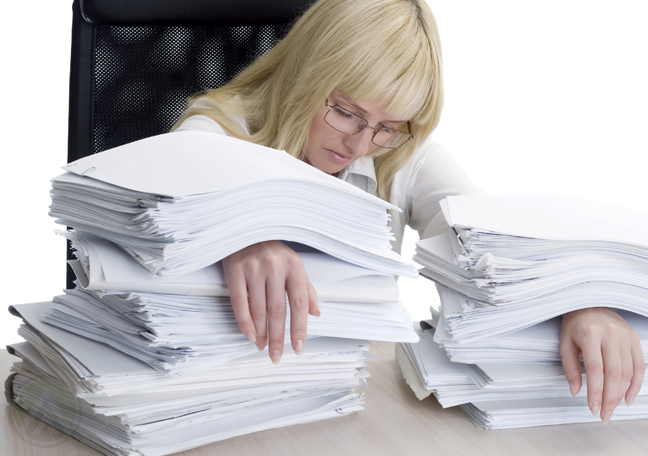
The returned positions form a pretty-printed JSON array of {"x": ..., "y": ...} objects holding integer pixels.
[{"x": 384, "y": 50}]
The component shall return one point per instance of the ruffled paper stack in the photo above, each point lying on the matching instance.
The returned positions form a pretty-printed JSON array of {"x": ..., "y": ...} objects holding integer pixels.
[
  {"x": 145, "y": 355},
  {"x": 506, "y": 269}
]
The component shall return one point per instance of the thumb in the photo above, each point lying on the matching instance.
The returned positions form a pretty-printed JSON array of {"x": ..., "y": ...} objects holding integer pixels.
[
  {"x": 313, "y": 306},
  {"x": 571, "y": 354}
]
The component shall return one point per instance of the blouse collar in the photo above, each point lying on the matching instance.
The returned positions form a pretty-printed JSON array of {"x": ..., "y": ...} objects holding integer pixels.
[{"x": 361, "y": 170}]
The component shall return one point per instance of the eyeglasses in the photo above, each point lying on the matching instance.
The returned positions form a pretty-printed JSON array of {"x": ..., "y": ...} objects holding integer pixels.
[{"x": 347, "y": 122}]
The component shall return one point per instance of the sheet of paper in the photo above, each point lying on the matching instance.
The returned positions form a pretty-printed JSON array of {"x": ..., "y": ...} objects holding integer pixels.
[
  {"x": 547, "y": 217},
  {"x": 98, "y": 357},
  {"x": 199, "y": 163}
]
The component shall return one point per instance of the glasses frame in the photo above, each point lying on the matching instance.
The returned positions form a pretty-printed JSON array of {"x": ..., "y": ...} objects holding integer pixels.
[{"x": 366, "y": 124}]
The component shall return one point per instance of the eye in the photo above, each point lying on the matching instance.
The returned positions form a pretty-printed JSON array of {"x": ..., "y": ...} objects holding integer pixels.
[{"x": 342, "y": 112}]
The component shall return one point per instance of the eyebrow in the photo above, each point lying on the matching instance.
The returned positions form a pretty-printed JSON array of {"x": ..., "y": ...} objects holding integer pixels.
[{"x": 364, "y": 111}]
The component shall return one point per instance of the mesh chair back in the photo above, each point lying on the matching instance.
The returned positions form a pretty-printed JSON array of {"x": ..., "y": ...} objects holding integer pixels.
[
  {"x": 135, "y": 62},
  {"x": 171, "y": 63}
]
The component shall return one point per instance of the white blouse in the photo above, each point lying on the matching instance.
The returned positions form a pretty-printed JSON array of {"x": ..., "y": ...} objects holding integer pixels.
[{"x": 430, "y": 175}]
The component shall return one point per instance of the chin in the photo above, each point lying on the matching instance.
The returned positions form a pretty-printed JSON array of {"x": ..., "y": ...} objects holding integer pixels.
[
  {"x": 334, "y": 170},
  {"x": 325, "y": 167}
]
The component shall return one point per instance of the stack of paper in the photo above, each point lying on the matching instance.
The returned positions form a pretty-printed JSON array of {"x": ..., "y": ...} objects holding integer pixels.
[
  {"x": 119, "y": 405},
  {"x": 541, "y": 412},
  {"x": 182, "y": 201},
  {"x": 490, "y": 386},
  {"x": 179, "y": 333},
  {"x": 185, "y": 332},
  {"x": 508, "y": 266},
  {"x": 514, "y": 261},
  {"x": 101, "y": 265},
  {"x": 538, "y": 344},
  {"x": 156, "y": 363}
]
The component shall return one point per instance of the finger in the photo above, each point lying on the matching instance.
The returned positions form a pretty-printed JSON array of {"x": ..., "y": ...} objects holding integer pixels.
[
  {"x": 593, "y": 360},
  {"x": 627, "y": 367},
  {"x": 638, "y": 371},
  {"x": 276, "y": 300},
  {"x": 313, "y": 305},
  {"x": 235, "y": 279},
  {"x": 613, "y": 371},
  {"x": 298, "y": 297},
  {"x": 570, "y": 354},
  {"x": 257, "y": 297}
]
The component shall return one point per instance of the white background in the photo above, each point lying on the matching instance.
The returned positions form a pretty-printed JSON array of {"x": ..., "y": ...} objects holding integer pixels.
[{"x": 544, "y": 96}]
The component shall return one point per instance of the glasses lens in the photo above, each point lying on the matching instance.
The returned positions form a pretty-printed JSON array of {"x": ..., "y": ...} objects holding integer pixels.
[
  {"x": 349, "y": 123},
  {"x": 390, "y": 138},
  {"x": 344, "y": 121}
]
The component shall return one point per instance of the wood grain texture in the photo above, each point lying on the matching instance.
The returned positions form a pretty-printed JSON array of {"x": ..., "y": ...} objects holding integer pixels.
[{"x": 394, "y": 423}]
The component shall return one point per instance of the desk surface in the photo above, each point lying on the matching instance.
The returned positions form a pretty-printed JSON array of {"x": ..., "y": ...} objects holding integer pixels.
[{"x": 394, "y": 422}]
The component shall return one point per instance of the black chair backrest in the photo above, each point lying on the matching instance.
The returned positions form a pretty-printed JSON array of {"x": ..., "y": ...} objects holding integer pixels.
[{"x": 135, "y": 62}]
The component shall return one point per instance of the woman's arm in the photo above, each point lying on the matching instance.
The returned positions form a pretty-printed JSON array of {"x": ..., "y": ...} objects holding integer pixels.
[
  {"x": 611, "y": 351},
  {"x": 259, "y": 277}
]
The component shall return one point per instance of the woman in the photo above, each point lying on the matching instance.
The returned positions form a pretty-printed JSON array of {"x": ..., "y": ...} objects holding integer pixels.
[{"x": 355, "y": 89}]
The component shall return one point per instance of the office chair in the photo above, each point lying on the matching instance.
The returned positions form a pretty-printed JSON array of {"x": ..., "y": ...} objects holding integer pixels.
[{"x": 135, "y": 62}]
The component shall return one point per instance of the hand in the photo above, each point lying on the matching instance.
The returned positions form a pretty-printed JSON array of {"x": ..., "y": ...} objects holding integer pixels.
[
  {"x": 611, "y": 350},
  {"x": 258, "y": 278}
]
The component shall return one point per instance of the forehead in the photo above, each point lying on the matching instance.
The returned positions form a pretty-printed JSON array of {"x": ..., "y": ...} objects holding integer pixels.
[{"x": 368, "y": 107}]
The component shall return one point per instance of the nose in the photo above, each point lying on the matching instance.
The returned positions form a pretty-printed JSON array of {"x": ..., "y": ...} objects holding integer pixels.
[{"x": 360, "y": 143}]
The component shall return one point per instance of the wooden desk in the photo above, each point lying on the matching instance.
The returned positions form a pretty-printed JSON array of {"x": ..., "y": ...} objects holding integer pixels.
[{"x": 393, "y": 423}]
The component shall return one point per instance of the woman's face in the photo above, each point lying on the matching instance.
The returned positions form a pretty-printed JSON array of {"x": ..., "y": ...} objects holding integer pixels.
[{"x": 330, "y": 150}]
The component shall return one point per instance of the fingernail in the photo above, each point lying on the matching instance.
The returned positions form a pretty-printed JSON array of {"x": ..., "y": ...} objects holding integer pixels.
[
  {"x": 251, "y": 337},
  {"x": 319, "y": 312},
  {"x": 260, "y": 347},
  {"x": 572, "y": 389},
  {"x": 596, "y": 406},
  {"x": 606, "y": 417},
  {"x": 299, "y": 347},
  {"x": 275, "y": 356},
  {"x": 629, "y": 401}
]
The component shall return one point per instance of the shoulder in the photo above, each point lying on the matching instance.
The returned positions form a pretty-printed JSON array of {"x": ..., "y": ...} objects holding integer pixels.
[
  {"x": 431, "y": 169},
  {"x": 430, "y": 154},
  {"x": 201, "y": 123},
  {"x": 205, "y": 111}
]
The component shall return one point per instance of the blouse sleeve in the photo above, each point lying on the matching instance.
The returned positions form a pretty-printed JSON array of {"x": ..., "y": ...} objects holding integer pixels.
[{"x": 428, "y": 177}]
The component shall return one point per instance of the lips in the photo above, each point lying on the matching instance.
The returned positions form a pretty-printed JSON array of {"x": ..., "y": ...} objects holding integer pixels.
[{"x": 338, "y": 158}]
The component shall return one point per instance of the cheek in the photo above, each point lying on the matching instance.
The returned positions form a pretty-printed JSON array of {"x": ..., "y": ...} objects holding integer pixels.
[{"x": 317, "y": 135}]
